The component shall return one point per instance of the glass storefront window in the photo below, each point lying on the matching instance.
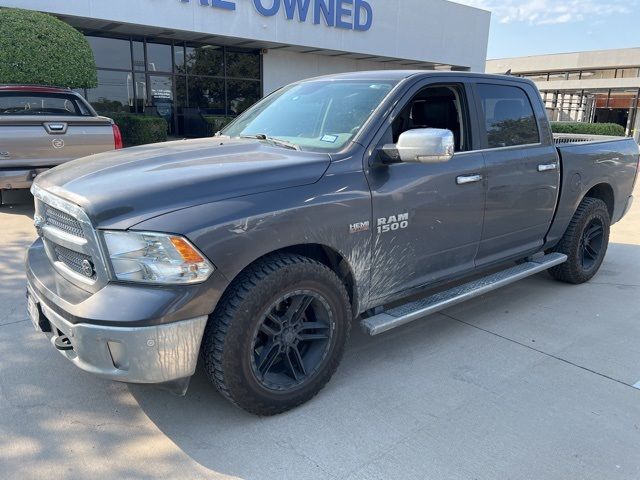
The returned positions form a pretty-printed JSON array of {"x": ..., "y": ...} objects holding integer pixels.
[
  {"x": 627, "y": 73},
  {"x": 206, "y": 60},
  {"x": 111, "y": 52},
  {"x": 114, "y": 92},
  {"x": 152, "y": 77},
  {"x": 159, "y": 57},
  {"x": 554, "y": 76},
  {"x": 241, "y": 95},
  {"x": 138, "y": 56},
  {"x": 598, "y": 74},
  {"x": 161, "y": 97},
  {"x": 181, "y": 91},
  {"x": 243, "y": 65},
  {"x": 207, "y": 94},
  {"x": 179, "y": 59},
  {"x": 537, "y": 77}
]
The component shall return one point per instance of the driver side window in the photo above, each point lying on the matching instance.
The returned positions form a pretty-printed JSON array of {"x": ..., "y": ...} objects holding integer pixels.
[{"x": 434, "y": 107}]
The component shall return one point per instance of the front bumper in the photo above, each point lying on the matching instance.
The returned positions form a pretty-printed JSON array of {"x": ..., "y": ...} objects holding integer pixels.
[
  {"x": 158, "y": 354},
  {"x": 125, "y": 333},
  {"x": 16, "y": 178}
]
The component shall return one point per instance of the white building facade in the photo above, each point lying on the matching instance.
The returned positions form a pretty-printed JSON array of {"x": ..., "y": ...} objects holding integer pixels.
[
  {"x": 597, "y": 86},
  {"x": 219, "y": 56}
]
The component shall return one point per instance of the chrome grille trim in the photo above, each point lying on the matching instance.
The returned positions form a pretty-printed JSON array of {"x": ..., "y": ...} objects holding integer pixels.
[
  {"x": 62, "y": 221},
  {"x": 72, "y": 259},
  {"x": 65, "y": 244}
]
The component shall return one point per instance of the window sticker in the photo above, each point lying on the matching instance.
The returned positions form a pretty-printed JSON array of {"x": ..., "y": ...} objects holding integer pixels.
[{"x": 330, "y": 138}]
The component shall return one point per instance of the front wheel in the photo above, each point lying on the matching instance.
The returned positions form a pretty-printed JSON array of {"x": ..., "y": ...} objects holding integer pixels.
[
  {"x": 585, "y": 243},
  {"x": 278, "y": 334}
]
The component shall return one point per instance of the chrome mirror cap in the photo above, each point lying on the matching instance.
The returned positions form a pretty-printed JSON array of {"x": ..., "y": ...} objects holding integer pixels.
[{"x": 425, "y": 145}]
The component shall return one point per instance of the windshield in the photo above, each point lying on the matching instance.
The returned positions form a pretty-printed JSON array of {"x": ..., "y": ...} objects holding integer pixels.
[{"x": 317, "y": 116}]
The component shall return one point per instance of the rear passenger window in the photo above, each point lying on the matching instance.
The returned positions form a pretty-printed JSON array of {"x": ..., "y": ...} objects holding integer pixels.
[{"x": 509, "y": 117}]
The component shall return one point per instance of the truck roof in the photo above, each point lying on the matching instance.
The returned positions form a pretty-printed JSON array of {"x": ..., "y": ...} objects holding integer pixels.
[
  {"x": 398, "y": 75},
  {"x": 33, "y": 89}
]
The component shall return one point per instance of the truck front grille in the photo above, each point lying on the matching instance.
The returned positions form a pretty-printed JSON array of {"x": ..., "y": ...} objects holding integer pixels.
[
  {"x": 70, "y": 240},
  {"x": 62, "y": 221},
  {"x": 76, "y": 261}
]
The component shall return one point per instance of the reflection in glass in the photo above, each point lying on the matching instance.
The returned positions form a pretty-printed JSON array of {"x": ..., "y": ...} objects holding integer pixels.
[
  {"x": 598, "y": 74},
  {"x": 138, "y": 56},
  {"x": 114, "y": 92},
  {"x": 161, "y": 97},
  {"x": 243, "y": 65},
  {"x": 627, "y": 72},
  {"x": 111, "y": 52},
  {"x": 509, "y": 116},
  {"x": 242, "y": 94},
  {"x": 207, "y": 93},
  {"x": 206, "y": 60},
  {"x": 159, "y": 57}
]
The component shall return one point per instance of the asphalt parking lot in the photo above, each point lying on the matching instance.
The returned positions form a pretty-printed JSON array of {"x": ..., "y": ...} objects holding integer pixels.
[{"x": 540, "y": 380}]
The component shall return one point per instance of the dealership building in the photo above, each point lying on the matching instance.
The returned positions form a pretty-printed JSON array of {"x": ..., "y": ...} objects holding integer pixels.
[
  {"x": 596, "y": 86},
  {"x": 182, "y": 59}
]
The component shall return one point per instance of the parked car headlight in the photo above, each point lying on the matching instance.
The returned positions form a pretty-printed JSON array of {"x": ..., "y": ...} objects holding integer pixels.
[{"x": 155, "y": 258}]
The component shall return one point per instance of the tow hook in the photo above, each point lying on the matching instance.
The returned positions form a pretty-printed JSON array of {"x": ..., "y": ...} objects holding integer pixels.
[{"x": 63, "y": 343}]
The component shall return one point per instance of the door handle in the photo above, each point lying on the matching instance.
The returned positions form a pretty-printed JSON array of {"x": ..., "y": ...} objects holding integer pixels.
[
  {"x": 466, "y": 179},
  {"x": 547, "y": 167},
  {"x": 55, "y": 127}
]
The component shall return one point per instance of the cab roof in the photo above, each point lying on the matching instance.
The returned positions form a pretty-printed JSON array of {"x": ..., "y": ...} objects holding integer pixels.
[
  {"x": 33, "y": 89},
  {"x": 399, "y": 75}
]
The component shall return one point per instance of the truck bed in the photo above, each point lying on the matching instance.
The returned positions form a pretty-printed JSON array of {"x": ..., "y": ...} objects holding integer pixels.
[
  {"x": 588, "y": 162},
  {"x": 47, "y": 141}
]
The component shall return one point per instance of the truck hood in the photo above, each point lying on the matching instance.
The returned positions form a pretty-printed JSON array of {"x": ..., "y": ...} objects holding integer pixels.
[{"x": 121, "y": 188}]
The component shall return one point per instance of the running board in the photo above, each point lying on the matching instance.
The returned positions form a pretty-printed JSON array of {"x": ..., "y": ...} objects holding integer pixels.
[{"x": 409, "y": 312}]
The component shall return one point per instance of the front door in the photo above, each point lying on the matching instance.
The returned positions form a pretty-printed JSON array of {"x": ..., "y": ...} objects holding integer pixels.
[
  {"x": 523, "y": 172},
  {"x": 427, "y": 217},
  {"x": 162, "y": 99}
]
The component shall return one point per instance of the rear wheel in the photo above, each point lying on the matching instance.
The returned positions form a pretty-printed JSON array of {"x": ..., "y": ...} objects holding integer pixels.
[
  {"x": 585, "y": 243},
  {"x": 278, "y": 334}
]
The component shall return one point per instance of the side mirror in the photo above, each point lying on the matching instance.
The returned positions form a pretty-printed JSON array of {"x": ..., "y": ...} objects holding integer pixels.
[{"x": 423, "y": 145}]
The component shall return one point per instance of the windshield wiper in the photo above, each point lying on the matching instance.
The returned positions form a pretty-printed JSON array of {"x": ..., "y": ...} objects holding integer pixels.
[{"x": 274, "y": 141}]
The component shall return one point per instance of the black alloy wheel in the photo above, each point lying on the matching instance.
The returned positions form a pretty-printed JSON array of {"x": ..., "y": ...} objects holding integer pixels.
[
  {"x": 278, "y": 333},
  {"x": 584, "y": 243},
  {"x": 292, "y": 340},
  {"x": 591, "y": 243}
]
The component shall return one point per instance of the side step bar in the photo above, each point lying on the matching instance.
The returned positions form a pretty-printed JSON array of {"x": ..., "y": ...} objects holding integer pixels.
[{"x": 409, "y": 312}]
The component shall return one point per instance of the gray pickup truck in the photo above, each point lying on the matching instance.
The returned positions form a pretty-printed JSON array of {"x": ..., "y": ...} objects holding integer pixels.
[
  {"x": 42, "y": 127},
  {"x": 376, "y": 197}
]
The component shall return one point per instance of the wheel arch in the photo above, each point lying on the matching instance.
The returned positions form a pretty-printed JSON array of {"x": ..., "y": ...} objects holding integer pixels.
[
  {"x": 603, "y": 191},
  {"x": 324, "y": 254}
]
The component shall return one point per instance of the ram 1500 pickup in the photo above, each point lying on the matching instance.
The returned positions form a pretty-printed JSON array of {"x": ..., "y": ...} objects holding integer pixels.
[
  {"x": 370, "y": 197},
  {"x": 42, "y": 127}
]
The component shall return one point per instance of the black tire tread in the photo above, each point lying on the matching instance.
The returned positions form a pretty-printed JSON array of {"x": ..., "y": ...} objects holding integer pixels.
[
  {"x": 571, "y": 271},
  {"x": 214, "y": 341}
]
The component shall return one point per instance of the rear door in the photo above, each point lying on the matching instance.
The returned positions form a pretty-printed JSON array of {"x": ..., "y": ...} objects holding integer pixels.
[
  {"x": 523, "y": 171},
  {"x": 44, "y": 130}
]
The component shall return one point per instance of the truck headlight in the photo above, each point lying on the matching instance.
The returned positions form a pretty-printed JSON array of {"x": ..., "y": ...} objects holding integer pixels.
[{"x": 155, "y": 258}]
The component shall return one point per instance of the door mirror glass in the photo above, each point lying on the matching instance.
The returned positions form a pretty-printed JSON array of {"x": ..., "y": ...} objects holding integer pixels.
[{"x": 423, "y": 145}]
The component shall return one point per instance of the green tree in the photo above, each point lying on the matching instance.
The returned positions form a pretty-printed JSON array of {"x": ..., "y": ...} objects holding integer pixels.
[{"x": 38, "y": 49}]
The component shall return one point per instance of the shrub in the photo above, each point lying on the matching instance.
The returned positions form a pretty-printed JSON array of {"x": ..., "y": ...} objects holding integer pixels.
[
  {"x": 612, "y": 129},
  {"x": 38, "y": 49},
  {"x": 140, "y": 129},
  {"x": 217, "y": 123}
]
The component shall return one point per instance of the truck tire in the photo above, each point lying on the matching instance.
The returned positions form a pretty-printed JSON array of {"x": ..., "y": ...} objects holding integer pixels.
[
  {"x": 585, "y": 243},
  {"x": 278, "y": 334}
]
